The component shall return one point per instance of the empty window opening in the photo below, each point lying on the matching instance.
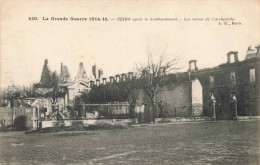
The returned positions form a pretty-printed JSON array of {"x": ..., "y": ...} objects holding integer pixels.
[
  {"x": 232, "y": 58},
  {"x": 192, "y": 66},
  {"x": 252, "y": 75},
  {"x": 233, "y": 78},
  {"x": 211, "y": 81}
]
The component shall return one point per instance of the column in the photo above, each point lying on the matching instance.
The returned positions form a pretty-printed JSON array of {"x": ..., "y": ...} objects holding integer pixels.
[
  {"x": 213, "y": 106},
  {"x": 234, "y": 103}
]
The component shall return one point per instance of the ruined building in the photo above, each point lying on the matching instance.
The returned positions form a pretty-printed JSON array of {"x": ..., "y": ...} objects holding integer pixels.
[{"x": 223, "y": 92}]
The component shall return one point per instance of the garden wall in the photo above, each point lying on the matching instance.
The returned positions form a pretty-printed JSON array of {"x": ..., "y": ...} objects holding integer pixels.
[
  {"x": 46, "y": 124},
  {"x": 18, "y": 117}
]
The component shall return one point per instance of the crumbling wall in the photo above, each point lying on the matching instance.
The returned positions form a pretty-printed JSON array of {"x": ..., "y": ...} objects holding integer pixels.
[
  {"x": 175, "y": 98},
  {"x": 18, "y": 117}
]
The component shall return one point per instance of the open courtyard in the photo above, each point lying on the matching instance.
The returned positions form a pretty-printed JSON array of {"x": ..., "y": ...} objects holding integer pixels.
[{"x": 221, "y": 142}]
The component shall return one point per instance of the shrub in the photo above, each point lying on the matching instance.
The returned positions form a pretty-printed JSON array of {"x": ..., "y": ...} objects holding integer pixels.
[
  {"x": 106, "y": 126},
  {"x": 79, "y": 126}
]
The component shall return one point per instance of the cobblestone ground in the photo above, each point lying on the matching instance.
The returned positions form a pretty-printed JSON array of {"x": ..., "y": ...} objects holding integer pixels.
[{"x": 227, "y": 142}]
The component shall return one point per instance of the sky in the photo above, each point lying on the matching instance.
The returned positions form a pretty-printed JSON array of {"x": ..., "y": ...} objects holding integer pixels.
[{"x": 117, "y": 46}]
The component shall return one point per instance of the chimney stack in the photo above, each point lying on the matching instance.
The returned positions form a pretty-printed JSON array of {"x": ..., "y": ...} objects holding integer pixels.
[
  {"x": 117, "y": 77},
  {"x": 97, "y": 82},
  {"x": 130, "y": 75},
  {"x": 123, "y": 77},
  {"x": 61, "y": 65},
  {"x": 100, "y": 73},
  {"x": 46, "y": 62},
  {"x": 91, "y": 84},
  {"x": 104, "y": 81},
  {"x": 111, "y": 79}
]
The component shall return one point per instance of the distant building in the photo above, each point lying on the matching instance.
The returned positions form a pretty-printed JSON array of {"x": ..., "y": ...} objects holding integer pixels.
[
  {"x": 82, "y": 75},
  {"x": 45, "y": 88},
  {"x": 67, "y": 92},
  {"x": 79, "y": 85}
]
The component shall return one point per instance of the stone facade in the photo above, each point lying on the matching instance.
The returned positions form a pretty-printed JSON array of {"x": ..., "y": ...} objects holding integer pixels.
[
  {"x": 234, "y": 85},
  {"x": 231, "y": 79}
]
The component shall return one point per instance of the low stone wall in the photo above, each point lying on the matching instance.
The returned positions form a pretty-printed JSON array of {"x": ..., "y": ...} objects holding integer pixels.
[
  {"x": 195, "y": 119},
  {"x": 46, "y": 124},
  {"x": 182, "y": 119},
  {"x": 89, "y": 111},
  {"x": 248, "y": 117}
]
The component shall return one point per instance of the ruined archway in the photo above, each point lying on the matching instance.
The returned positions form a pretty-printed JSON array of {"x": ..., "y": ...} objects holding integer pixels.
[{"x": 196, "y": 98}]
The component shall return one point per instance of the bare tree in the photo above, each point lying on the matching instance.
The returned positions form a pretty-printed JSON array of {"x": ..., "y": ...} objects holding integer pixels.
[
  {"x": 153, "y": 73},
  {"x": 50, "y": 89},
  {"x": 15, "y": 92}
]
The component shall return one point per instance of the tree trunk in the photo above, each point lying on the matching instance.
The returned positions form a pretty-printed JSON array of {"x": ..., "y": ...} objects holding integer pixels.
[{"x": 154, "y": 111}]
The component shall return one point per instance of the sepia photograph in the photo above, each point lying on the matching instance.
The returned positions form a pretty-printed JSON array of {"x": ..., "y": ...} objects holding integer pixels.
[{"x": 130, "y": 82}]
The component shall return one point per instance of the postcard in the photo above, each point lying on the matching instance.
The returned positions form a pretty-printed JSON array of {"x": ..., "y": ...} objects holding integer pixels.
[{"x": 129, "y": 82}]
